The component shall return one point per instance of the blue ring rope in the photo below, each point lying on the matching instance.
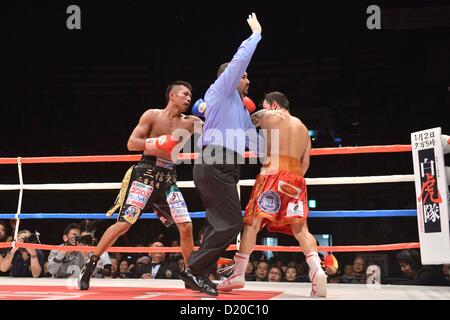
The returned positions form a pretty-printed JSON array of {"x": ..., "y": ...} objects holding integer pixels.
[{"x": 201, "y": 214}]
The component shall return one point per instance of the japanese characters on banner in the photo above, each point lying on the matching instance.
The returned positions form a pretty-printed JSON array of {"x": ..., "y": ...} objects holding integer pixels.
[{"x": 431, "y": 196}]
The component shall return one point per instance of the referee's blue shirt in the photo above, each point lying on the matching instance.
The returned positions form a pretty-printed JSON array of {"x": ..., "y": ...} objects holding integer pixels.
[{"x": 227, "y": 120}]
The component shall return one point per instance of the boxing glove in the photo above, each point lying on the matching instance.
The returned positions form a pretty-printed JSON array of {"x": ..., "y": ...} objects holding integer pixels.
[
  {"x": 249, "y": 104},
  {"x": 199, "y": 108},
  {"x": 165, "y": 143}
]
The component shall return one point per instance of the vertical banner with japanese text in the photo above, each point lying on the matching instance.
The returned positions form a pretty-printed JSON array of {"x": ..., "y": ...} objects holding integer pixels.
[{"x": 431, "y": 196}]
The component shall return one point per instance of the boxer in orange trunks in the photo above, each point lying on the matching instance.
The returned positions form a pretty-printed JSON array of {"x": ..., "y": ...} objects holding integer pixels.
[{"x": 279, "y": 198}]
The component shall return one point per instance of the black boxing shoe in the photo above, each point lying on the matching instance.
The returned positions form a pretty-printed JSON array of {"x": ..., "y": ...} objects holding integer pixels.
[
  {"x": 198, "y": 283},
  {"x": 210, "y": 282},
  {"x": 186, "y": 286},
  {"x": 190, "y": 281},
  {"x": 207, "y": 286},
  {"x": 85, "y": 275}
]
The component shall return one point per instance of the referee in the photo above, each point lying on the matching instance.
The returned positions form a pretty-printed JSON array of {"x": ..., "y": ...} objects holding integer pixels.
[{"x": 217, "y": 175}]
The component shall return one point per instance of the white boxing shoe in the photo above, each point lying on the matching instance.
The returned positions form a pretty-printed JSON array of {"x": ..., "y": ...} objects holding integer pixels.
[
  {"x": 236, "y": 281},
  {"x": 319, "y": 283}
]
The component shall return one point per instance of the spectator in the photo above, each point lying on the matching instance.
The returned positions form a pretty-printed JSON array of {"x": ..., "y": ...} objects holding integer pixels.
[
  {"x": 275, "y": 274},
  {"x": 175, "y": 256},
  {"x": 302, "y": 271},
  {"x": 21, "y": 262},
  {"x": 157, "y": 268},
  {"x": 291, "y": 275},
  {"x": 104, "y": 264},
  {"x": 359, "y": 269},
  {"x": 446, "y": 271},
  {"x": 335, "y": 278},
  {"x": 3, "y": 251},
  {"x": 45, "y": 273},
  {"x": 124, "y": 269},
  {"x": 63, "y": 264},
  {"x": 114, "y": 272},
  {"x": 418, "y": 274},
  {"x": 262, "y": 269},
  {"x": 249, "y": 272},
  {"x": 347, "y": 277},
  {"x": 181, "y": 264},
  {"x": 3, "y": 234}
]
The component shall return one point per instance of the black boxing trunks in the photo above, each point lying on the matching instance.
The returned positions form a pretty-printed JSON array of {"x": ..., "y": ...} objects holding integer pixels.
[{"x": 151, "y": 184}]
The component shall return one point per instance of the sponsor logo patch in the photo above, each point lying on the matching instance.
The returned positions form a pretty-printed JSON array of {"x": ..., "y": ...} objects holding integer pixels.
[
  {"x": 269, "y": 201},
  {"x": 295, "y": 209},
  {"x": 175, "y": 200},
  {"x": 131, "y": 214},
  {"x": 139, "y": 194},
  {"x": 178, "y": 208},
  {"x": 289, "y": 189}
]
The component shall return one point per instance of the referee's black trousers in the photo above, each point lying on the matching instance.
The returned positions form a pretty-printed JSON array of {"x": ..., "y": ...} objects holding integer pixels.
[{"x": 217, "y": 184}]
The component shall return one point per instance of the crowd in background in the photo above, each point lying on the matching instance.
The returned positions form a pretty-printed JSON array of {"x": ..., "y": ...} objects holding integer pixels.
[{"x": 26, "y": 262}]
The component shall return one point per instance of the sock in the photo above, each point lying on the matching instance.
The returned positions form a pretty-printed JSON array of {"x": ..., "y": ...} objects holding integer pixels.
[
  {"x": 240, "y": 262},
  {"x": 313, "y": 261}
]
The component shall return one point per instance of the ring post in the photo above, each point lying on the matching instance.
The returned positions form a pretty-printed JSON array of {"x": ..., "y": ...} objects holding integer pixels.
[{"x": 431, "y": 196}]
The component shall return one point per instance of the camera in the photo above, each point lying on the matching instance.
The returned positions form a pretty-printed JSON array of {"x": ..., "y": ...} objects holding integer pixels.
[
  {"x": 86, "y": 239},
  {"x": 33, "y": 238}
]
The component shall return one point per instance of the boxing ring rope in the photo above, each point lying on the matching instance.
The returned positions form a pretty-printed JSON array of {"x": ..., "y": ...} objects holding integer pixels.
[
  {"x": 352, "y": 248},
  {"x": 192, "y": 156},
  {"x": 190, "y": 184}
]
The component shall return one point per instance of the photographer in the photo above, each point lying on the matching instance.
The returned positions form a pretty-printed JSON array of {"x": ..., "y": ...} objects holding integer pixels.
[
  {"x": 21, "y": 262},
  {"x": 63, "y": 264},
  {"x": 3, "y": 251},
  {"x": 103, "y": 268}
]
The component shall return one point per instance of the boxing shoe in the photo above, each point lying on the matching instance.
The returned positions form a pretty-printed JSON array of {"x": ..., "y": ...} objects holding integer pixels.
[
  {"x": 235, "y": 281},
  {"x": 212, "y": 284},
  {"x": 85, "y": 275},
  {"x": 198, "y": 282},
  {"x": 319, "y": 283}
]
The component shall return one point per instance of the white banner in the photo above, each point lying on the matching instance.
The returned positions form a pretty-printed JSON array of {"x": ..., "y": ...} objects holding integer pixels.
[{"x": 431, "y": 196}]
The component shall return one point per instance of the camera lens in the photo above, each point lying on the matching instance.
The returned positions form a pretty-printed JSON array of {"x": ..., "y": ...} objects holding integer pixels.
[
  {"x": 86, "y": 239},
  {"x": 31, "y": 239}
]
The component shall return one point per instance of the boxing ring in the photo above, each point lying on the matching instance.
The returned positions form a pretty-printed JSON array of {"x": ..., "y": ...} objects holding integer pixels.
[{"x": 140, "y": 289}]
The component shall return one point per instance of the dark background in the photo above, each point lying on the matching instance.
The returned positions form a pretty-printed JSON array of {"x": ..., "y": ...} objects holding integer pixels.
[{"x": 81, "y": 92}]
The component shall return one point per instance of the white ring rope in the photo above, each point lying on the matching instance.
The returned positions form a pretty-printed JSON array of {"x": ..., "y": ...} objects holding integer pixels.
[{"x": 190, "y": 184}]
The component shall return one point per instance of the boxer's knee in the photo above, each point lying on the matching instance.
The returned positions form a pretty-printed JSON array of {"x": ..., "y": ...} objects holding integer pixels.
[
  {"x": 300, "y": 230},
  {"x": 255, "y": 226},
  {"x": 121, "y": 227}
]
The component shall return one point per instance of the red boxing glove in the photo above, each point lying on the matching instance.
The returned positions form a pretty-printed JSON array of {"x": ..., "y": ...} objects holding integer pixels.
[
  {"x": 330, "y": 261},
  {"x": 249, "y": 104},
  {"x": 165, "y": 143}
]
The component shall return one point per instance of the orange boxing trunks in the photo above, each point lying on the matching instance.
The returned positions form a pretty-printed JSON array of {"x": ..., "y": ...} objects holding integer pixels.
[{"x": 280, "y": 197}]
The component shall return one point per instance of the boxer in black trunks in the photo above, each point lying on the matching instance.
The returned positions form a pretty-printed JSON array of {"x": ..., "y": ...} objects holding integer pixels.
[{"x": 152, "y": 182}]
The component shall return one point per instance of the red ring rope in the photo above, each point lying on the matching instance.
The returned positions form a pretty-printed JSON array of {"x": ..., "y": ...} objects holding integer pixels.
[{"x": 191, "y": 156}]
